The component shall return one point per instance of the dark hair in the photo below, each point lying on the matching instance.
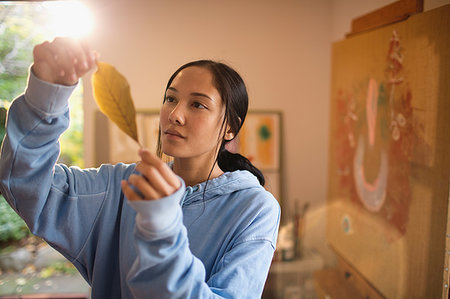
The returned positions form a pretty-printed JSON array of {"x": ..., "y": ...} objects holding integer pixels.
[{"x": 234, "y": 95}]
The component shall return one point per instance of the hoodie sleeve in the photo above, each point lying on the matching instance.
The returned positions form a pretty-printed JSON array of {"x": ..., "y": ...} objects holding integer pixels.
[
  {"x": 30, "y": 148},
  {"x": 57, "y": 202},
  {"x": 165, "y": 265}
]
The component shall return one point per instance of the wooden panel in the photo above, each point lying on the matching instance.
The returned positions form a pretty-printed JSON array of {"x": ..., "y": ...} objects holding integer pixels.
[
  {"x": 353, "y": 277},
  {"x": 331, "y": 283},
  {"x": 343, "y": 282},
  {"x": 389, "y": 162},
  {"x": 395, "y": 12},
  {"x": 446, "y": 273}
]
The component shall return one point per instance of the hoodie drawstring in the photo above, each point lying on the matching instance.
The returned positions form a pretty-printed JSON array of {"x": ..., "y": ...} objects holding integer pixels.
[{"x": 189, "y": 191}]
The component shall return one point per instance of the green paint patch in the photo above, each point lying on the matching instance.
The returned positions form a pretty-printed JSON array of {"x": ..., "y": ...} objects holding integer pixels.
[{"x": 264, "y": 132}]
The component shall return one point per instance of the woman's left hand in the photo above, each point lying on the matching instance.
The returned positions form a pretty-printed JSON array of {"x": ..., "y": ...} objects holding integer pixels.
[{"x": 156, "y": 179}]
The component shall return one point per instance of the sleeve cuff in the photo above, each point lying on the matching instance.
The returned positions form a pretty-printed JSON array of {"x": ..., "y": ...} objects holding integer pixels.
[
  {"x": 47, "y": 98},
  {"x": 158, "y": 218}
]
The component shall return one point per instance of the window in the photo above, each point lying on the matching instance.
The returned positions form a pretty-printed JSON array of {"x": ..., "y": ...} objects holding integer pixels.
[{"x": 23, "y": 25}]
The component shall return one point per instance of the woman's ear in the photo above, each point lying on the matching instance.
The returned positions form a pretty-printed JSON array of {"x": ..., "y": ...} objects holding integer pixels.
[{"x": 229, "y": 134}]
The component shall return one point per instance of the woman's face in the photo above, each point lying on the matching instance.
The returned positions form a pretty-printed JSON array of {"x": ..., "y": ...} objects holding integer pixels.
[{"x": 191, "y": 116}]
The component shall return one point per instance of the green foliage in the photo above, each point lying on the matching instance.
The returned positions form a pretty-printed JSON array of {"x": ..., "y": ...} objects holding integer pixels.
[
  {"x": 23, "y": 25},
  {"x": 58, "y": 268},
  {"x": 2, "y": 123},
  {"x": 72, "y": 139},
  {"x": 12, "y": 227},
  {"x": 18, "y": 35}
]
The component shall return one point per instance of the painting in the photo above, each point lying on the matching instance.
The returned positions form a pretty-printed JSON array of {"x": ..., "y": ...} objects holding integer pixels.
[
  {"x": 260, "y": 141},
  {"x": 376, "y": 132},
  {"x": 388, "y": 171}
]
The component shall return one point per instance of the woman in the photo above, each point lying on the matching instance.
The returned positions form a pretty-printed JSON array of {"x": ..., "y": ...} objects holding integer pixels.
[{"x": 202, "y": 227}]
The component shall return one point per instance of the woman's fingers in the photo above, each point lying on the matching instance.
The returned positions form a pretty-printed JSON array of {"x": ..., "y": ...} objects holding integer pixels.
[
  {"x": 129, "y": 192},
  {"x": 156, "y": 179},
  {"x": 153, "y": 177},
  {"x": 80, "y": 55},
  {"x": 91, "y": 56},
  {"x": 63, "y": 61},
  {"x": 165, "y": 171},
  {"x": 62, "y": 49},
  {"x": 45, "y": 66},
  {"x": 147, "y": 190}
]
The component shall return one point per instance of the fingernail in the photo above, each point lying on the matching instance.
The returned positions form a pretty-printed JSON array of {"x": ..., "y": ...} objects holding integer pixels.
[
  {"x": 73, "y": 77},
  {"x": 62, "y": 73},
  {"x": 85, "y": 65}
]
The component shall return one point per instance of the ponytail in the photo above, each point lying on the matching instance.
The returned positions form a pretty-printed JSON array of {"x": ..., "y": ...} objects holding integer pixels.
[{"x": 228, "y": 161}]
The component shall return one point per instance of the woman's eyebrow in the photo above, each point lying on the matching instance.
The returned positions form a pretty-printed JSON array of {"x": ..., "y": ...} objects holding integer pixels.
[
  {"x": 199, "y": 94},
  {"x": 195, "y": 94}
]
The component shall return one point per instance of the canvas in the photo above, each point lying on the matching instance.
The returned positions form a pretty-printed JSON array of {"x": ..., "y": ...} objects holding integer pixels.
[{"x": 389, "y": 154}]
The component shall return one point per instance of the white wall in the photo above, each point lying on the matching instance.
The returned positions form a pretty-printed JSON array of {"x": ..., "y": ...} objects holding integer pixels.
[{"x": 281, "y": 48}]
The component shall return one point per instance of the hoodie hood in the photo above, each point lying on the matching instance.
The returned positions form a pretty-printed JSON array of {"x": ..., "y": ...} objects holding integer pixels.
[{"x": 228, "y": 182}]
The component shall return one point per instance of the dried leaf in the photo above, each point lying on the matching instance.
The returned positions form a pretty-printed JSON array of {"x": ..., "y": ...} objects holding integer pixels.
[{"x": 113, "y": 97}]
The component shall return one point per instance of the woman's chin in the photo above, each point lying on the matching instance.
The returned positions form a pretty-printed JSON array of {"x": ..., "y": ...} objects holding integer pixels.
[{"x": 171, "y": 152}]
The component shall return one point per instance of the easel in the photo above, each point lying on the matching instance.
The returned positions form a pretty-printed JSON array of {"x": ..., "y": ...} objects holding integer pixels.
[
  {"x": 347, "y": 281},
  {"x": 344, "y": 282}
]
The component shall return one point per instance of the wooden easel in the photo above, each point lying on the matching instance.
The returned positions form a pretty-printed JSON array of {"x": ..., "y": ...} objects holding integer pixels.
[
  {"x": 394, "y": 12},
  {"x": 345, "y": 280}
]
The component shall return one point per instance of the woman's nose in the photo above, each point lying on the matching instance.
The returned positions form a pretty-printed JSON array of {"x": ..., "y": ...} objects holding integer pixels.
[{"x": 176, "y": 116}]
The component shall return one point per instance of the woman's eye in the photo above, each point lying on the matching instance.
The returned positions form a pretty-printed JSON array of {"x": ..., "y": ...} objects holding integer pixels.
[
  {"x": 199, "y": 105},
  {"x": 169, "y": 99}
]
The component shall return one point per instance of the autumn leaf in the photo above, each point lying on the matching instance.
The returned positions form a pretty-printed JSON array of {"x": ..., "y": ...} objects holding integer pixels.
[{"x": 113, "y": 97}]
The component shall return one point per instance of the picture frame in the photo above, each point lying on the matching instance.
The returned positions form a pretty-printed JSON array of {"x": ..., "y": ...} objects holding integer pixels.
[{"x": 260, "y": 140}]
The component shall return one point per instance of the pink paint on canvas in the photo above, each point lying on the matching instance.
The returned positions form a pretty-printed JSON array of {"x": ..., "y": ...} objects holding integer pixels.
[{"x": 384, "y": 130}]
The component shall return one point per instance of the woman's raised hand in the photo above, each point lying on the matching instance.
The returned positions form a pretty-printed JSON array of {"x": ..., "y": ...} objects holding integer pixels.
[
  {"x": 62, "y": 61},
  {"x": 156, "y": 179}
]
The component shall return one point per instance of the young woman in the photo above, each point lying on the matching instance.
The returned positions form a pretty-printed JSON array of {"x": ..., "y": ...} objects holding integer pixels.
[{"x": 202, "y": 227}]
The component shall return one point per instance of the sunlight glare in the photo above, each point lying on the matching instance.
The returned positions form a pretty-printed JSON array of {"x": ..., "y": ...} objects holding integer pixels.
[{"x": 69, "y": 18}]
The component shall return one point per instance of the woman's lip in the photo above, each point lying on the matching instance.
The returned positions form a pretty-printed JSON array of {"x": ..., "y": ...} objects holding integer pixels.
[{"x": 174, "y": 133}]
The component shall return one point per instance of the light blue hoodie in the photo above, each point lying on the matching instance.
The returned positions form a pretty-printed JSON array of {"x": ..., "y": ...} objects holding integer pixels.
[{"x": 181, "y": 246}]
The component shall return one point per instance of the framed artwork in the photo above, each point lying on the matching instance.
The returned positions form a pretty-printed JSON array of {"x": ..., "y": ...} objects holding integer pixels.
[{"x": 260, "y": 141}]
